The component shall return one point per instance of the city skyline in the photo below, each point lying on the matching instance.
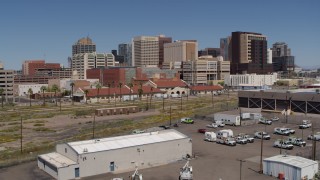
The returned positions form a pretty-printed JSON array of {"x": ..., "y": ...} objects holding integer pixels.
[{"x": 47, "y": 30}]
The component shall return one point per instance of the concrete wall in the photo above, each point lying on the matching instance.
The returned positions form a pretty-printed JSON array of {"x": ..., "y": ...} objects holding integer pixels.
[
  {"x": 47, "y": 169},
  {"x": 67, "y": 172},
  {"x": 127, "y": 159}
]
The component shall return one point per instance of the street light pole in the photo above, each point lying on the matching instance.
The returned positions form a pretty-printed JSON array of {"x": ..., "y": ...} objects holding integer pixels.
[
  {"x": 241, "y": 161},
  {"x": 163, "y": 102},
  {"x": 93, "y": 124},
  {"x": 261, "y": 152}
]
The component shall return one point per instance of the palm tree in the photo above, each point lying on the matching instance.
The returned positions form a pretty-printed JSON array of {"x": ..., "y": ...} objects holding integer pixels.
[
  {"x": 120, "y": 85},
  {"x": 30, "y": 92},
  {"x": 43, "y": 88},
  {"x": 55, "y": 88},
  {"x": 98, "y": 86},
  {"x": 1, "y": 93},
  {"x": 86, "y": 93},
  {"x": 72, "y": 85},
  {"x": 130, "y": 86},
  {"x": 109, "y": 86}
]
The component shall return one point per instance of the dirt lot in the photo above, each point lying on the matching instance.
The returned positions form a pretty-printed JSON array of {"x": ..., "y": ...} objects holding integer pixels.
[{"x": 212, "y": 161}]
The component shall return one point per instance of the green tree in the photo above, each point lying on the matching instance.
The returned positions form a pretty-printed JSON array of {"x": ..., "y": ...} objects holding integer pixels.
[
  {"x": 30, "y": 92},
  {"x": 98, "y": 86},
  {"x": 55, "y": 89},
  {"x": 86, "y": 93},
  {"x": 1, "y": 93},
  {"x": 120, "y": 86},
  {"x": 43, "y": 89},
  {"x": 72, "y": 85}
]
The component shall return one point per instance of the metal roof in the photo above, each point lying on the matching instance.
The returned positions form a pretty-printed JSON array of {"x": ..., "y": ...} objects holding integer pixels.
[
  {"x": 105, "y": 144},
  {"x": 295, "y": 161},
  {"x": 57, "y": 159}
]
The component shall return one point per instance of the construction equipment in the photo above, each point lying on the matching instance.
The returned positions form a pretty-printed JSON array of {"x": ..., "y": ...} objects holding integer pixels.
[
  {"x": 136, "y": 175},
  {"x": 186, "y": 172}
]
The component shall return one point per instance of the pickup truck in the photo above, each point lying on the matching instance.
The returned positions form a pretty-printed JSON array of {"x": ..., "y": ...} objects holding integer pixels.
[
  {"x": 227, "y": 141},
  {"x": 241, "y": 140},
  {"x": 305, "y": 124},
  {"x": 258, "y": 135},
  {"x": 297, "y": 141},
  {"x": 315, "y": 137},
  {"x": 283, "y": 144},
  {"x": 292, "y": 131},
  {"x": 281, "y": 131},
  {"x": 246, "y": 137},
  {"x": 265, "y": 121},
  {"x": 187, "y": 120},
  {"x": 274, "y": 118}
]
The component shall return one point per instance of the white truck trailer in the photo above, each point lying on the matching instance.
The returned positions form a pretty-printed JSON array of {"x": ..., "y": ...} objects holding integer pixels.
[
  {"x": 210, "y": 136},
  {"x": 229, "y": 119}
]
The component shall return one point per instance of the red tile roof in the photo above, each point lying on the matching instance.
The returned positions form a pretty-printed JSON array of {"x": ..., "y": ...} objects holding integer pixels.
[
  {"x": 206, "y": 88},
  {"x": 146, "y": 89},
  {"x": 169, "y": 83}
]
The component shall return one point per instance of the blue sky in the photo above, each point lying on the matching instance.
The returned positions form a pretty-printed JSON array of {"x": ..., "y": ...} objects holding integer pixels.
[{"x": 46, "y": 29}]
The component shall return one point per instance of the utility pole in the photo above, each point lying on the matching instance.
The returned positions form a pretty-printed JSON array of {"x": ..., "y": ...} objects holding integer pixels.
[
  {"x": 93, "y": 124},
  {"x": 170, "y": 114},
  {"x": 21, "y": 134},
  {"x": 181, "y": 102},
  {"x": 241, "y": 161},
  {"x": 163, "y": 102},
  {"x": 261, "y": 170}
]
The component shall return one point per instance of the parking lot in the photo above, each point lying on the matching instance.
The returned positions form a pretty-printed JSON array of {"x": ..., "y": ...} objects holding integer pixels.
[{"x": 212, "y": 161}]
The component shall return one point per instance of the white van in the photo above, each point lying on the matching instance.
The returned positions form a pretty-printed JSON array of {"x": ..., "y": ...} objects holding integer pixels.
[{"x": 210, "y": 136}]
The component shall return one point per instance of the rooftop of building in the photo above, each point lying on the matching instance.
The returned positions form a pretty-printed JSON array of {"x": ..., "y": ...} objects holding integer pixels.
[
  {"x": 169, "y": 83},
  {"x": 57, "y": 159},
  {"x": 119, "y": 142},
  {"x": 84, "y": 41},
  {"x": 295, "y": 161}
]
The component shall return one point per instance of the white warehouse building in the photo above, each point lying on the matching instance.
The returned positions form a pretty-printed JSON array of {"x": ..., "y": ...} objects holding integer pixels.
[
  {"x": 115, "y": 154},
  {"x": 290, "y": 167},
  {"x": 250, "y": 81}
]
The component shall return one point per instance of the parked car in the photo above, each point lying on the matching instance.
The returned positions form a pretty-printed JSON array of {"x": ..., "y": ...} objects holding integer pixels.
[
  {"x": 187, "y": 120},
  {"x": 283, "y": 144},
  {"x": 297, "y": 141},
  {"x": 292, "y": 131},
  {"x": 265, "y": 121},
  {"x": 281, "y": 131},
  {"x": 247, "y": 137},
  {"x": 305, "y": 124},
  {"x": 274, "y": 118},
  {"x": 137, "y": 131},
  {"x": 259, "y": 134},
  {"x": 202, "y": 131},
  {"x": 315, "y": 137},
  {"x": 241, "y": 140}
]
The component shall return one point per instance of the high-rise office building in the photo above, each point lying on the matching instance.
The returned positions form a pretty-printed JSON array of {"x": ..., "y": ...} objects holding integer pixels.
[
  {"x": 249, "y": 53},
  {"x": 162, "y": 40},
  {"x": 125, "y": 50},
  {"x": 84, "y": 45},
  {"x": 178, "y": 51},
  {"x": 145, "y": 51},
  {"x": 82, "y": 62},
  {"x": 214, "y": 52},
  {"x": 281, "y": 58},
  {"x": 225, "y": 48},
  {"x": 30, "y": 67}
]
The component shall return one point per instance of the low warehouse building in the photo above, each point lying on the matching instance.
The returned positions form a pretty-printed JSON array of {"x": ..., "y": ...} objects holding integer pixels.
[
  {"x": 115, "y": 154},
  {"x": 290, "y": 167}
]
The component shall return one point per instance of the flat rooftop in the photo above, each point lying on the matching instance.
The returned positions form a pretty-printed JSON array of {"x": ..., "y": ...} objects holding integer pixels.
[
  {"x": 295, "y": 161},
  {"x": 105, "y": 144},
  {"x": 57, "y": 159}
]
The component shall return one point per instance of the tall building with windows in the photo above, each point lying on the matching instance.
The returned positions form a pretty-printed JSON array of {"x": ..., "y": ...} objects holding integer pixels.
[
  {"x": 281, "y": 58},
  {"x": 184, "y": 50},
  {"x": 225, "y": 48},
  {"x": 83, "y": 45},
  {"x": 82, "y": 62},
  {"x": 125, "y": 50},
  {"x": 162, "y": 40},
  {"x": 30, "y": 67},
  {"x": 249, "y": 53},
  {"x": 145, "y": 51},
  {"x": 6, "y": 82}
]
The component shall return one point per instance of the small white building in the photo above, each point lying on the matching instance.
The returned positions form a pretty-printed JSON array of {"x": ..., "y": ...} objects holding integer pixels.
[
  {"x": 290, "y": 167},
  {"x": 22, "y": 89},
  {"x": 115, "y": 154}
]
